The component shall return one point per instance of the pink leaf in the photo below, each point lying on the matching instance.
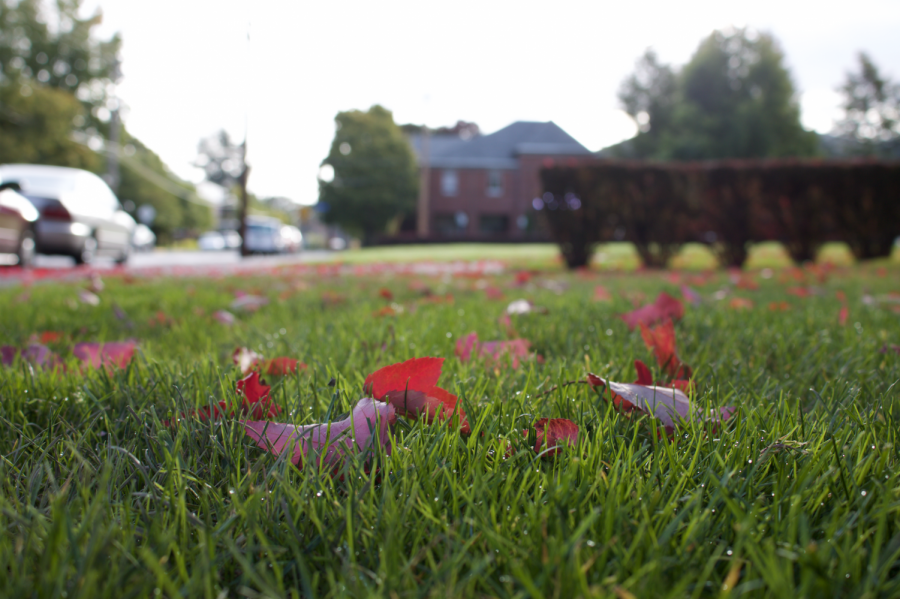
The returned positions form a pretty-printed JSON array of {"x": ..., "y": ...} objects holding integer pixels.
[
  {"x": 116, "y": 354},
  {"x": 365, "y": 428},
  {"x": 224, "y": 316},
  {"x": 667, "y": 405}
]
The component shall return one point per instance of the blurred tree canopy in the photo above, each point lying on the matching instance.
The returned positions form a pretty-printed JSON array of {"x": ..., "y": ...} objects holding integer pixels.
[
  {"x": 734, "y": 99},
  {"x": 871, "y": 104},
  {"x": 36, "y": 127},
  {"x": 55, "y": 103},
  {"x": 375, "y": 175}
]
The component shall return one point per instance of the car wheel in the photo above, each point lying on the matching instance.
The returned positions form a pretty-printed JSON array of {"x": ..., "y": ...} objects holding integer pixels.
[
  {"x": 26, "y": 250},
  {"x": 123, "y": 256},
  {"x": 88, "y": 250}
]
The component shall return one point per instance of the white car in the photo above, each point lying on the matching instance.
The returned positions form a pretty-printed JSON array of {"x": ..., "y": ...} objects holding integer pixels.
[
  {"x": 264, "y": 236},
  {"x": 211, "y": 241}
]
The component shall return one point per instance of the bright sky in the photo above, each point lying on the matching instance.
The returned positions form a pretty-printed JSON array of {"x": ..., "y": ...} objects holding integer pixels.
[{"x": 189, "y": 70}]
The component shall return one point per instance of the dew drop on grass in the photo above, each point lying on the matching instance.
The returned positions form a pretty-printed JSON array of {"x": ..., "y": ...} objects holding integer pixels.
[
  {"x": 319, "y": 494},
  {"x": 864, "y": 493},
  {"x": 591, "y": 543},
  {"x": 282, "y": 331},
  {"x": 729, "y": 552},
  {"x": 609, "y": 332},
  {"x": 449, "y": 334}
]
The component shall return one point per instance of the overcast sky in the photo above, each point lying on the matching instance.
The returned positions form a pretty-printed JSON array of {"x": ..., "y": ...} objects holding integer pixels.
[{"x": 190, "y": 71}]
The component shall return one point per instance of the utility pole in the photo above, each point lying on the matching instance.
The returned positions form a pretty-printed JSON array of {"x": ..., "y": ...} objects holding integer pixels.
[
  {"x": 423, "y": 216},
  {"x": 245, "y": 168},
  {"x": 242, "y": 181},
  {"x": 112, "y": 148}
]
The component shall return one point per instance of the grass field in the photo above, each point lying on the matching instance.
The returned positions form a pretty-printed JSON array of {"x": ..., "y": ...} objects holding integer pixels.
[{"x": 798, "y": 495}]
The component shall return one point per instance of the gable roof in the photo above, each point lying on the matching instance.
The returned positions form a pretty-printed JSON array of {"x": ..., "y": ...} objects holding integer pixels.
[{"x": 498, "y": 150}]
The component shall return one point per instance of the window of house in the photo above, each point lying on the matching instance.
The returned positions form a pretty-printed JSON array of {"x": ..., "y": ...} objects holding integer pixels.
[
  {"x": 493, "y": 223},
  {"x": 451, "y": 223},
  {"x": 495, "y": 183},
  {"x": 449, "y": 183}
]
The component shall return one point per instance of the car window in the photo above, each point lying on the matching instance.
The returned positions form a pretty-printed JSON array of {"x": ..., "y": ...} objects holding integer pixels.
[
  {"x": 41, "y": 186},
  {"x": 96, "y": 195}
]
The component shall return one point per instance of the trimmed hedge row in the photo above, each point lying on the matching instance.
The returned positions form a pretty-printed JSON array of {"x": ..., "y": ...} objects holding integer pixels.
[{"x": 725, "y": 204}]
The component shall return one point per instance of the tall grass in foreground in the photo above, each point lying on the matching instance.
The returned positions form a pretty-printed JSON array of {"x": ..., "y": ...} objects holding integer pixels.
[{"x": 799, "y": 495}]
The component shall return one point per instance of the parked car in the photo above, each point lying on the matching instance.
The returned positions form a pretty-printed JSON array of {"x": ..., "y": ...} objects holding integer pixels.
[
  {"x": 232, "y": 239},
  {"x": 264, "y": 235},
  {"x": 79, "y": 215},
  {"x": 17, "y": 217},
  {"x": 143, "y": 239},
  {"x": 293, "y": 238},
  {"x": 211, "y": 241}
]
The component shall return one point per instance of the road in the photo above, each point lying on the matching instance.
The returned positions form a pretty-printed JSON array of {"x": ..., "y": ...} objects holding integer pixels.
[{"x": 164, "y": 259}]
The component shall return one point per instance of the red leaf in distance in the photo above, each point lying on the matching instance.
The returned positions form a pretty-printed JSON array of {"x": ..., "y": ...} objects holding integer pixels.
[
  {"x": 664, "y": 307},
  {"x": 105, "y": 354},
  {"x": 645, "y": 377},
  {"x": 282, "y": 366}
]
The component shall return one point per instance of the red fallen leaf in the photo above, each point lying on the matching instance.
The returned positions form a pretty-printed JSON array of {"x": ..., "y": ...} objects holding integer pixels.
[
  {"x": 411, "y": 388},
  {"x": 601, "y": 294},
  {"x": 159, "y": 319},
  {"x": 841, "y": 296},
  {"x": 779, "y": 306},
  {"x": 554, "y": 433},
  {"x": 645, "y": 377},
  {"x": 674, "y": 278},
  {"x": 664, "y": 307},
  {"x": 386, "y": 293},
  {"x": 669, "y": 406},
  {"x": 255, "y": 403},
  {"x": 8, "y": 354},
  {"x": 385, "y": 311},
  {"x": 843, "y": 315},
  {"x": 50, "y": 337},
  {"x": 417, "y": 374},
  {"x": 661, "y": 340},
  {"x": 522, "y": 277},
  {"x": 800, "y": 291},
  {"x": 493, "y": 292},
  {"x": 740, "y": 303},
  {"x": 494, "y": 351},
  {"x": 116, "y": 354},
  {"x": 884, "y": 349},
  {"x": 364, "y": 429},
  {"x": 282, "y": 366}
]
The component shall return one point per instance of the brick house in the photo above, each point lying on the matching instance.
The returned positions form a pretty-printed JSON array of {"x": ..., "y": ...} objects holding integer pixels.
[{"x": 485, "y": 187}]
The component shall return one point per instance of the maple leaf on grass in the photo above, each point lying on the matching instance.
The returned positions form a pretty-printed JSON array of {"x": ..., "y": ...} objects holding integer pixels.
[
  {"x": 664, "y": 307},
  {"x": 670, "y": 406},
  {"x": 411, "y": 388},
  {"x": 661, "y": 339},
  {"x": 254, "y": 402},
  {"x": 552, "y": 433},
  {"x": 365, "y": 428}
]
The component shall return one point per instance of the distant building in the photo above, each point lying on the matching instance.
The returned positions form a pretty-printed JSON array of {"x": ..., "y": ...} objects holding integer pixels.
[{"x": 483, "y": 187}]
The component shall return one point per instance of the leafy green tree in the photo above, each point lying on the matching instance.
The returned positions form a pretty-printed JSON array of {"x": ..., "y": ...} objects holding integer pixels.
[
  {"x": 36, "y": 126},
  {"x": 734, "y": 99},
  {"x": 375, "y": 176},
  {"x": 871, "y": 104},
  {"x": 55, "y": 47}
]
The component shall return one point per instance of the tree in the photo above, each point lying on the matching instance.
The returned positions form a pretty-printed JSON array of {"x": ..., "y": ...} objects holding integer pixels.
[
  {"x": 375, "y": 176},
  {"x": 36, "y": 127},
  {"x": 56, "y": 48},
  {"x": 734, "y": 99},
  {"x": 871, "y": 107}
]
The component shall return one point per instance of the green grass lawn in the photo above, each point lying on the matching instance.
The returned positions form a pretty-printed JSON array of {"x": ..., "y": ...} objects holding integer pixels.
[{"x": 798, "y": 495}]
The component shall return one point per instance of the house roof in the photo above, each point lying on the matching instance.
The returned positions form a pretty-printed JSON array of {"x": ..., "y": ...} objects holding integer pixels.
[{"x": 499, "y": 150}]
